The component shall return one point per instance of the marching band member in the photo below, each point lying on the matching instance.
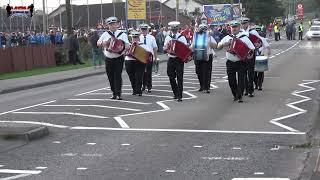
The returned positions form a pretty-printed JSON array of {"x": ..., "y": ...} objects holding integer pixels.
[
  {"x": 203, "y": 61},
  {"x": 135, "y": 68},
  {"x": 234, "y": 65},
  {"x": 175, "y": 65},
  {"x": 259, "y": 76},
  {"x": 114, "y": 61},
  {"x": 249, "y": 76},
  {"x": 151, "y": 46}
]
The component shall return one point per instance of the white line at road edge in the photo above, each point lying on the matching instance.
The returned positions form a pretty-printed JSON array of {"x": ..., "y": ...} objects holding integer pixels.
[
  {"x": 292, "y": 105},
  {"x": 260, "y": 179},
  {"x": 15, "y": 177}
]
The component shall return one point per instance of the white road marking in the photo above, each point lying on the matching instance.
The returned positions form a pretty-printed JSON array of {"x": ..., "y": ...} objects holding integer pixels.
[
  {"x": 226, "y": 158},
  {"x": 259, "y": 173},
  {"x": 219, "y": 74},
  {"x": 14, "y": 171},
  {"x": 63, "y": 113},
  {"x": 260, "y": 179},
  {"x": 146, "y": 95},
  {"x": 99, "y": 106},
  {"x": 91, "y": 144},
  {"x": 197, "y": 146},
  {"x": 1, "y": 166},
  {"x": 125, "y": 144},
  {"x": 186, "y": 130},
  {"x": 292, "y": 105},
  {"x": 16, "y": 176},
  {"x": 170, "y": 171},
  {"x": 69, "y": 154},
  {"x": 121, "y": 122},
  {"x": 236, "y": 148},
  {"x": 40, "y": 167},
  {"x": 81, "y": 168},
  {"x": 92, "y": 91},
  {"x": 36, "y": 123},
  {"x": 112, "y": 100},
  {"x": 27, "y": 107},
  {"x": 56, "y": 142},
  {"x": 276, "y": 148}
]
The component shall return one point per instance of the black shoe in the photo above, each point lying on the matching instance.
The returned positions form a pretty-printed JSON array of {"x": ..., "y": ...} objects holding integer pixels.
[
  {"x": 200, "y": 89},
  {"x": 207, "y": 91},
  {"x": 246, "y": 93},
  {"x": 113, "y": 97},
  {"x": 143, "y": 88},
  {"x": 240, "y": 100},
  {"x": 149, "y": 91},
  {"x": 119, "y": 98},
  {"x": 140, "y": 94},
  {"x": 256, "y": 87},
  {"x": 134, "y": 93},
  {"x": 179, "y": 99},
  {"x": 251, "y": 95},
  {"x": 260, "y": 89},
  {"x": 235, "y": 99}
]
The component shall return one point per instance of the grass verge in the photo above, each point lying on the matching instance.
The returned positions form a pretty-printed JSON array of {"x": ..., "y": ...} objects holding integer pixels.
[{"x": 42, "y": 71}]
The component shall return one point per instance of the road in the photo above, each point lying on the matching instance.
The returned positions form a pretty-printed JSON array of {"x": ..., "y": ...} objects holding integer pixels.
[{"x": 207, "y": 136}]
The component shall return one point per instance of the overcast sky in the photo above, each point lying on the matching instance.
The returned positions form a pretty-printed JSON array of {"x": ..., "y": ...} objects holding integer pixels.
[{"x": 52, "y": 4}]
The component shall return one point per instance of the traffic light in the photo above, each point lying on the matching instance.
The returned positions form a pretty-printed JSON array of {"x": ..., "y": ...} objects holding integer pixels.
[
  {"x": 31, "y": 7},
  {"x": 8, "y": 8}
]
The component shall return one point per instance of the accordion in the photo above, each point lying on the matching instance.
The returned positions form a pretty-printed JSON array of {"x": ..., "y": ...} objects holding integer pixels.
[
  {"x": 179, "y": 49},
  {"x": 240, "y": 49},
  {"x": 255, "y": 40},
  {"x": 140, "y": 54},
  {"x": 115, "y": 45}
]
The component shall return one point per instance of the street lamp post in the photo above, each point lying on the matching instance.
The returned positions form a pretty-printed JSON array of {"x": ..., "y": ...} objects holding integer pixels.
[
  {"x": 88, "y": 14},
  {"x": 44, "y": 21}
]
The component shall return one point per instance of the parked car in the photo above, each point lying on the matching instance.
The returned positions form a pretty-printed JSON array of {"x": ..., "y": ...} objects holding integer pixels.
[{"x": 314, "y": 32}]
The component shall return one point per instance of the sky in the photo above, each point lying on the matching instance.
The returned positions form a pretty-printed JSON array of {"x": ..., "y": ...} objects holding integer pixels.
[{"x": 52, "y": 4}]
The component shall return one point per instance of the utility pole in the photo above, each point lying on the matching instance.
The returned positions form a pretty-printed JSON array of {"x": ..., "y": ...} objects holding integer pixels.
[
  {"x": 101, "y": 13},
  {"x": 60, "y": 18},
  {"x": 177, "y": 10},
  {"x": 72, "y": 15},
  {"x": 44, "y": 21},
  {"x": 68, "y": 11},
  {"x": 88, "y": 14}
]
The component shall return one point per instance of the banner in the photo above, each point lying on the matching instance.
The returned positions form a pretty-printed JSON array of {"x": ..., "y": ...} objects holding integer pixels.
[
  {"x": 218, "y": 13},
  {"x": 300, "y": 11},
  {"x": 137, "y": 9}
]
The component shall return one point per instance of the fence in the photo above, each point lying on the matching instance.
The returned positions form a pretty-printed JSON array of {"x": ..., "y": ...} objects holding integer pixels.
[{"x": 24, "y": 58}]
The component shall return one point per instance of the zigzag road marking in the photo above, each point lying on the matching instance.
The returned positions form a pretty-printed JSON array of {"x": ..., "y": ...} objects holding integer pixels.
[{"x": 292, "y": 105}]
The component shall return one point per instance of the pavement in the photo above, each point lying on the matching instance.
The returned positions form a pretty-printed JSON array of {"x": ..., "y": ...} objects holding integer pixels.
[{"x": 207, "y": 136}]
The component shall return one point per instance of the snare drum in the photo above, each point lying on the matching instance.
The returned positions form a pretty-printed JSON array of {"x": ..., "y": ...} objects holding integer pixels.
[{"x": 261, "y": 64}]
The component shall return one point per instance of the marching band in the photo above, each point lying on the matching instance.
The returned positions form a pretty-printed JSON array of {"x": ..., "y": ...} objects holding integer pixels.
[{"x": 245, "y": 57}]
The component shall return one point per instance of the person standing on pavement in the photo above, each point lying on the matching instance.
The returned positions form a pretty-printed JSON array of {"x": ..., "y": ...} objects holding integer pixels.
[
  {"x": 249, "y": 73},
  {"x": 270, "y": 28},
  {"x": 301, "y": 30},
  {"x": 73, "y": 47},
  {"x": 114, "y": 61},
  {"x": 175, "y": 66},
  {"x": 204, "y": 66},
  {"x": 234, "y": 65},
  {"x": 151, "y": 46},
  {"x": 3, "y": 40},
  {"x": 135, "y": 68},
  {"x": 95, "y": 50}
]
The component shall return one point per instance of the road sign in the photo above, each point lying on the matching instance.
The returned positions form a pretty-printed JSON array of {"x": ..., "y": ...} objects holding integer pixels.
[{"x": 137, "y": 9}]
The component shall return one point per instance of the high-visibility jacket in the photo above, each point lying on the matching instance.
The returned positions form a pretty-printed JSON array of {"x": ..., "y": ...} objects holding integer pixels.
[
  {"x": 301, "y": 28},
  {"x": 276, "y": 29}
]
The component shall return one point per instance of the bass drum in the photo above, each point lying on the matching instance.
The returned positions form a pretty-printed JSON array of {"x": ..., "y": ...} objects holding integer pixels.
[{"x": 261, "y": 64}]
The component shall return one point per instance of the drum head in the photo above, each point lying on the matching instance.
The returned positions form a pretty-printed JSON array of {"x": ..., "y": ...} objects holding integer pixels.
[{"x": 261, "y": 58}]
